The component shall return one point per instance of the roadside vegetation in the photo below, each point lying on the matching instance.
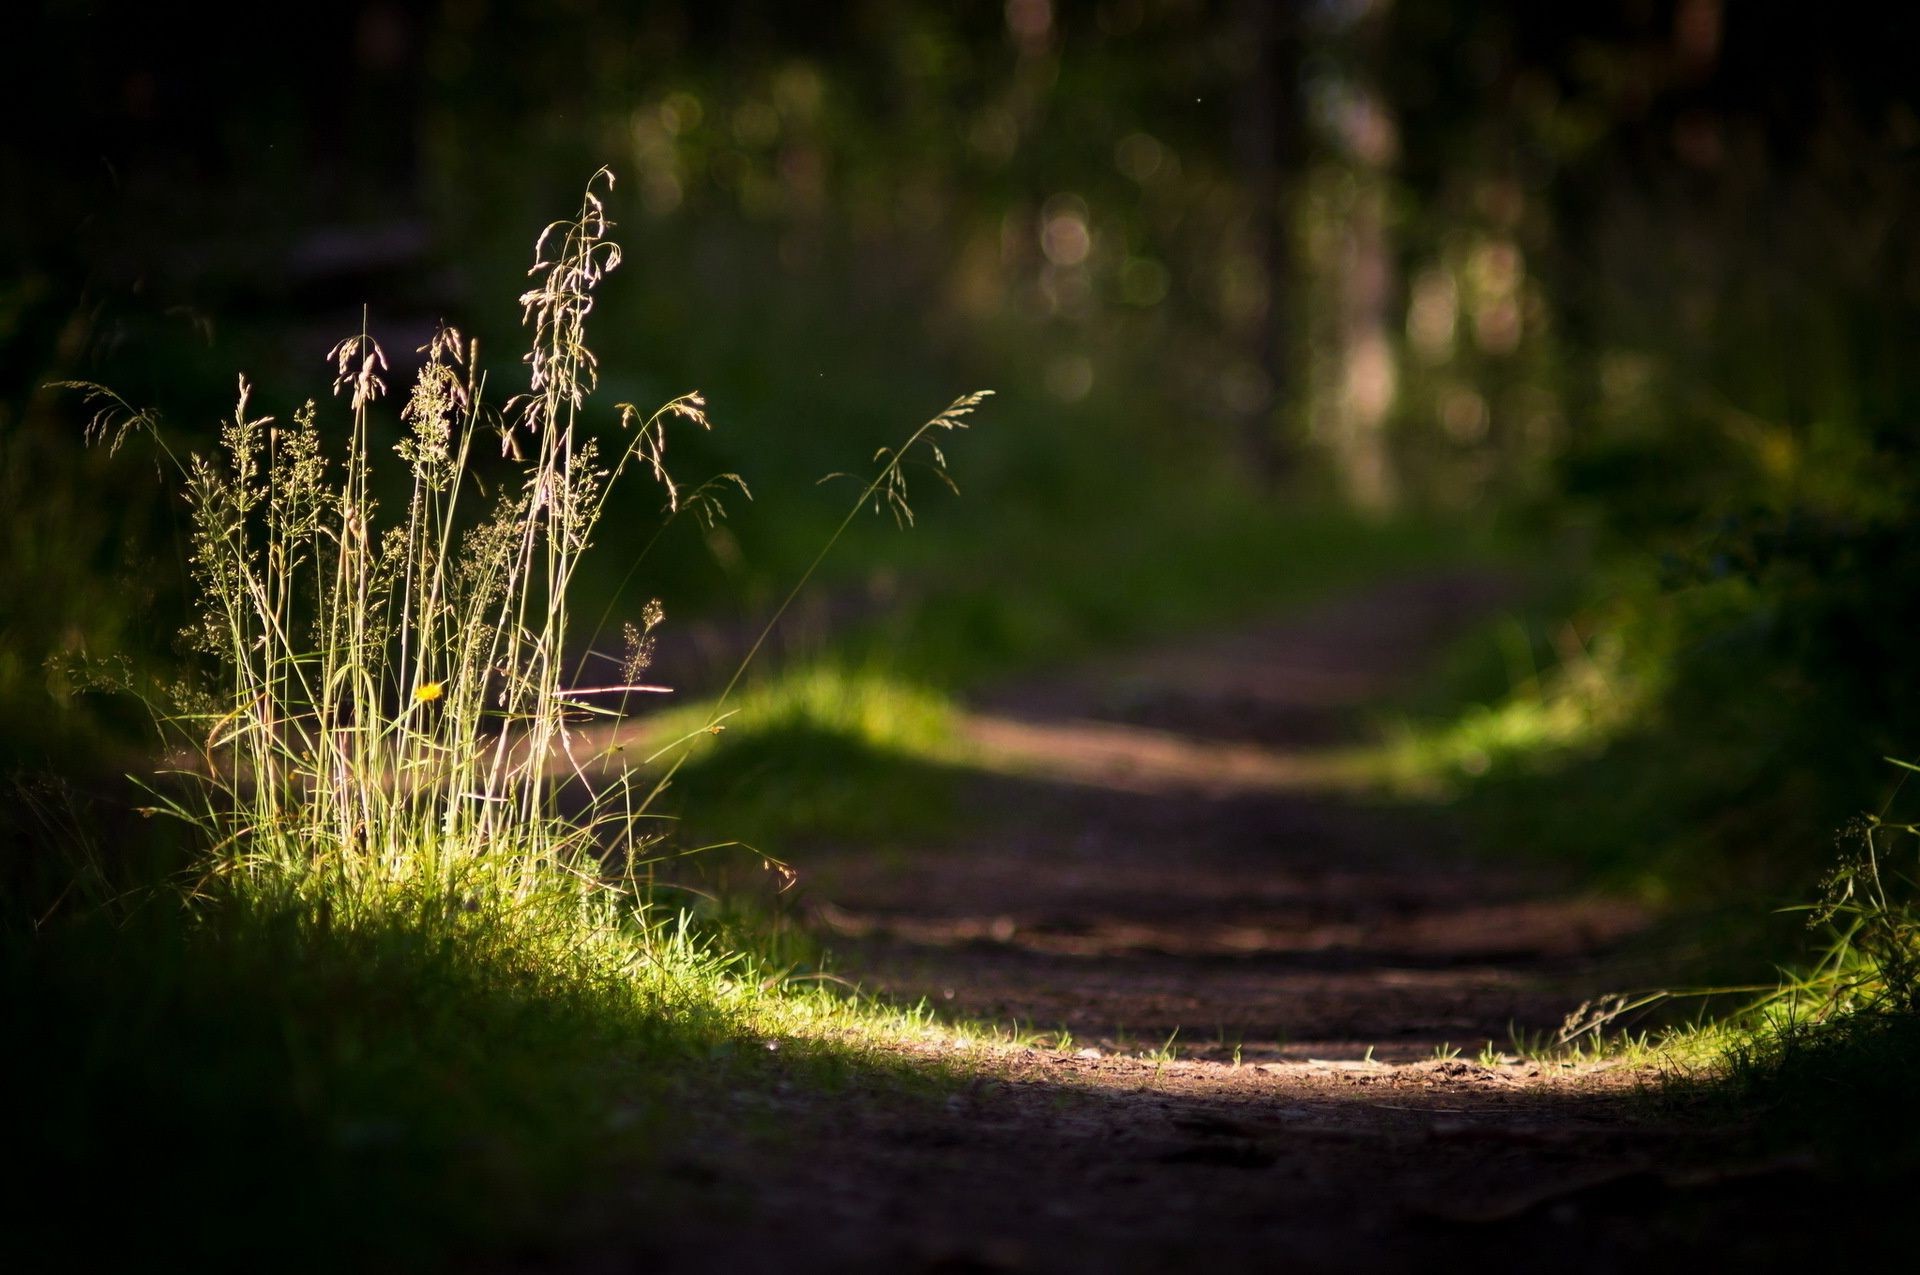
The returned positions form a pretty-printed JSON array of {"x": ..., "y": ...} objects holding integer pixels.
[
  {"x": 1717, "y": 721},
  {"x": 379, "y": 918}
]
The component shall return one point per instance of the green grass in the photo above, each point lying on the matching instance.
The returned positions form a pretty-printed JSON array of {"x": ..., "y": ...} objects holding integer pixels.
[
  {"x": 816, "y": 751},
  {"x": 413, "y": 973},
  {"x": 1646, "y": 738},
  {"x": 246, "y": 1079}
]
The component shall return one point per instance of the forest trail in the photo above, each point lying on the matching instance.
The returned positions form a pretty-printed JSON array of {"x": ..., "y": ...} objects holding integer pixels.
[
  {"x": 1166, "y": 846},
  {"x": 1150, "y": 852}
]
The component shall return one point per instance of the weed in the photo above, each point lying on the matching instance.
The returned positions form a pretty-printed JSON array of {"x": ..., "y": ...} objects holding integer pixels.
[
  {"x": 1162, "y": 1056},
  {"x": 392, "y": 720}
]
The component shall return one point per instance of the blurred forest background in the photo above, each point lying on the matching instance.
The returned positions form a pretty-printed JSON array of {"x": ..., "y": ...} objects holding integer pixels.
[{"x": 1627, "y": 291}]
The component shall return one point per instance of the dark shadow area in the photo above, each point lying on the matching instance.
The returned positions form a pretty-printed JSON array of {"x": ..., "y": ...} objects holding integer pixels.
[
  {"x": 225, "y": 1082},
  {"x": 1131, "y": 1166}
]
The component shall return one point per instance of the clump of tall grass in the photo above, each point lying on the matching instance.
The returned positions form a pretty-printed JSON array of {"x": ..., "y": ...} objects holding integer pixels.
[
  {"x": 393, "y": 725},
  {"x": 1577, "y": 705},
  {"x": 390, "y": 713},
  {"x": 1870, "y": 905},
  {"x": 1829, "y": 1053}
]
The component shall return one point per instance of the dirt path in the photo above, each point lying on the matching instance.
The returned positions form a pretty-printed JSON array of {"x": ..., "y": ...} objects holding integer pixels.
[
  {"x": 1151, "y": 849},
  {"x": 1165, "y": 853}
]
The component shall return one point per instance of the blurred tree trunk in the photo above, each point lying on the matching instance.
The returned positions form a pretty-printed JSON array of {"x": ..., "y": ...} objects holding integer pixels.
[
  {"x": 1365, "y": 285},
  {"x": 1266, "y": 149},
  {"x": 1369, "y": 370}
]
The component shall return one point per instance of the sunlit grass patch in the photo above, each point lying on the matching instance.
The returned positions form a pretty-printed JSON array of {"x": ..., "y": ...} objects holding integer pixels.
[
  {"x": 1547, "y": 718},
  {"x": 820, "y": 750},
  {"x": 868, "y": 706},
  {"x": 420, "y": 1079}
]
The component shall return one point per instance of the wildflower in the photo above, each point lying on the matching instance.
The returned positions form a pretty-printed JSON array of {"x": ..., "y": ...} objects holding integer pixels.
[{"x": 428, "y": 692}]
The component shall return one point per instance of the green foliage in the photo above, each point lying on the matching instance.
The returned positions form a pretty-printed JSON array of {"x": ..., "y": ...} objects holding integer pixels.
[
  {"x": 421, "y": 1073},
  {"x": 1873, "y": 899}
]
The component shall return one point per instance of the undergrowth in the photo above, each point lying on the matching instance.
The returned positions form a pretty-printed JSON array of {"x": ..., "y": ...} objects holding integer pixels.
[
  {"x": 1668, "y": 741},
  {"x": 1829, "y": 1055}
]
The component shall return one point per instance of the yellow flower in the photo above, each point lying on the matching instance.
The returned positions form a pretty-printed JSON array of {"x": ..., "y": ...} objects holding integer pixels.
[{"x": 428, "y": 692}]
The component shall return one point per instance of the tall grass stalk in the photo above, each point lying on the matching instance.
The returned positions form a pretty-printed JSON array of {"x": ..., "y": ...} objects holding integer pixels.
[
  {"x": 888, "y": 489},
  {"x": 387, "y": 700},
  {"x": 392, "y": 725}
]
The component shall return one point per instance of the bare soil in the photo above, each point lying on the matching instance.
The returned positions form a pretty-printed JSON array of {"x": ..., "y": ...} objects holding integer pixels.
[{"x": 1150, "y": 852}]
